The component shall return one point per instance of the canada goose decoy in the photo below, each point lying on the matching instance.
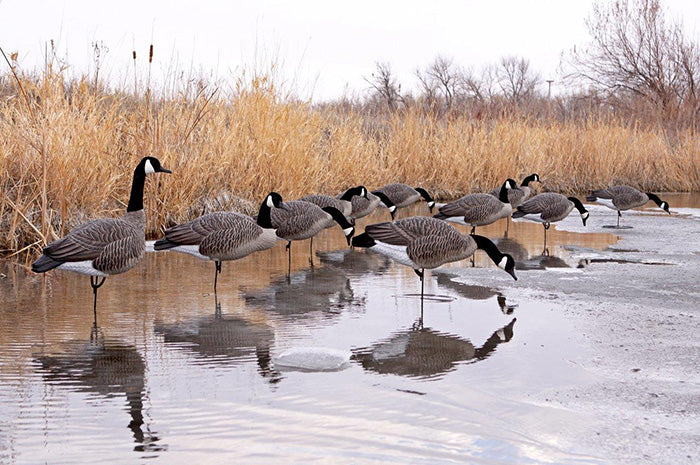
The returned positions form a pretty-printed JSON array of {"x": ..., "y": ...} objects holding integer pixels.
[
  {"x": 520, "y": 194},
  {"x": 423, "y": 242},
  {"x": 342, "y": 203},
  {"x": 107, "y": 246},
  {"x": 223, "y": 236},
  {"x": 298, "y": 220},
  {"x": 548, "y": 208},
  {"x": 480, "y": 209},
  {"x": 403, "y": 195},
  {"x": 363, "y": 206},
  {"x": 624, "y": 198}
]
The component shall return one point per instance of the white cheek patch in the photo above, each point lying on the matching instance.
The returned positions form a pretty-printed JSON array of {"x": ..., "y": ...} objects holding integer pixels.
[
  {"x": 270, "y": 203},
  {"x": 585, "y": 215},
  {"x": 348, "y": 231},
  {"x": 431, "y": 204},
  {"x": 148, "y": 167},
  {"x": 503, "y": 262},
  {"x": 392, "y": 209}
]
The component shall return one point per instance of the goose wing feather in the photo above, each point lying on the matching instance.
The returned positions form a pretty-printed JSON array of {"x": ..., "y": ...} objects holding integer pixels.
[
  {"x": 195, "y": 231},
  {"x": 88, "y": 240},
  {"x": 120, "y": 255},
  {"x": 227, "y": 241},
  {"x": 403, "y": 232},
  {"x": 434, "y": 250},
  {"x": 551, "y": 206}
]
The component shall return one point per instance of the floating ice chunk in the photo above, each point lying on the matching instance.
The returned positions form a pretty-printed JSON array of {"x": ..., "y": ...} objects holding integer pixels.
[{"x": 313, "y": 359}]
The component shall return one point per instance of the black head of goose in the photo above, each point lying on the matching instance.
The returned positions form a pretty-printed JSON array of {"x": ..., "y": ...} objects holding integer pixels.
[
  {"x": 343, "y": 202},
  {"x": 107, "y": 246},
  {"x": 387, "y": 202},
  {"x": 525, "y": 186},
  {"x": 403, "y": 195}
]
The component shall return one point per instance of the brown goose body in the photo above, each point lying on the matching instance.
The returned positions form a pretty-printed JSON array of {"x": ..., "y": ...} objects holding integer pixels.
[
  {"x": 477, "y": 209},
  {"x": 429, "y": 242},
  {"x": 300, "y": 220},
  {"x": 550, "y": 206},
  {"x": 320, "y": 200},
  {"x": 361, "y": 207},
  {"x": 621, "y": 197},
  {"x": 401, "y": 194},
  {"x": 220, "y": 236},
  {"x": 516, "y": 196}
]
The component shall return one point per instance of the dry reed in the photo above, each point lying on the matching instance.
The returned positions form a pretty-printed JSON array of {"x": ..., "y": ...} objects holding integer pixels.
[{"x": 74, "y": 145}]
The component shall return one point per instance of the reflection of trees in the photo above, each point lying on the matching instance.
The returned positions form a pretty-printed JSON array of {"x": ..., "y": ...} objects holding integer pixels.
[
  {"x": 426, "y": 353},
  {"x": 224, "y": 339},
  {"x": 106, "y": 368},
  {"x": 325, "y": 289}
]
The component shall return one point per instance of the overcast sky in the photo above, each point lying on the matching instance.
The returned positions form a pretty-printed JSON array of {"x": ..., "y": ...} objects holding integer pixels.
[{"x": 325, "y": 45}]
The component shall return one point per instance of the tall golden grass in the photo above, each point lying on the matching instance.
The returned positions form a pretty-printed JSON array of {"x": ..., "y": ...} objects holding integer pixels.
[{"x": 68, "y": 149}]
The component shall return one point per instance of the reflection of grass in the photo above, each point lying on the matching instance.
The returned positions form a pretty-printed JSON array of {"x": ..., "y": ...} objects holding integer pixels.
[{"x": 68, "y": 150}]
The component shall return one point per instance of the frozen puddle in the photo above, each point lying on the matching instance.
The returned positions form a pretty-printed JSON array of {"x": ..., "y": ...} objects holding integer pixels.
[{"x": 311, "y": 359}]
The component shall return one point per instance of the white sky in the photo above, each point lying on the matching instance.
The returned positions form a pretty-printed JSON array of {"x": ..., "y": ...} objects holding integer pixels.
[{"x": 324, "y": 45}]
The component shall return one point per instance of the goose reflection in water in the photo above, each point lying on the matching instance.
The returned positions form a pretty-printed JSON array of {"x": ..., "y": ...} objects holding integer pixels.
[
  {"x": 224, "y": 339},
  {"x": 426, "y": 353},
  {"x": 327, "y": 290},
  {"x": 106, "y": 368},
  {"x": 355, "y": 262},
  {"x": 523, "y": 260},
  {"x": 474, "y": 291},
  {"x": 542, "y": 262},
  {"x": 513, "y": 247}
]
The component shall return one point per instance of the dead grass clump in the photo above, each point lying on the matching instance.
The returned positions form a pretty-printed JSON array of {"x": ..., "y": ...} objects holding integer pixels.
[{"x": 68, "y": 150}]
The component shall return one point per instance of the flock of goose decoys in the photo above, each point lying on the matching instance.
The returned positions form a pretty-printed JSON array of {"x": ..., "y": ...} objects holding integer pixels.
[{"x": 104, "y": 247}]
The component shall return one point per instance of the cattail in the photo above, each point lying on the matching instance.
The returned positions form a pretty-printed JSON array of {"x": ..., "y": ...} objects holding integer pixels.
[
  {"x": 133, "y": 54},
  {"x": 150, "y": 54}
]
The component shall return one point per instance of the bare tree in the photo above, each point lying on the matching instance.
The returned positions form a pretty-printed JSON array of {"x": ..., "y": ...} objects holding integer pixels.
[
  {"x": 385, "y": 85},
  {"x": 481, "y": 86},
  {"x": 635, "y": 50},
  {"x": 440, "y": 81},
  {"x": 516, "y": 80}
]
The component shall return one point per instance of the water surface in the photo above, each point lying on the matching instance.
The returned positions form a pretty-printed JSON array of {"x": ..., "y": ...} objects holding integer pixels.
[{"x": 173, "y": 374}]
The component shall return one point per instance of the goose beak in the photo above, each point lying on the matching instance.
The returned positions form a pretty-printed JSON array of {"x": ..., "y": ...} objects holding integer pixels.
[
  {"x": 165, "y": 170},
  {"x": 512, "y": 273}
]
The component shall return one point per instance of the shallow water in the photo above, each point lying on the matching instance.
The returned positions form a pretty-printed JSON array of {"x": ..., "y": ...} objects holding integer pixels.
[{"x": 172, "y": 374}]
